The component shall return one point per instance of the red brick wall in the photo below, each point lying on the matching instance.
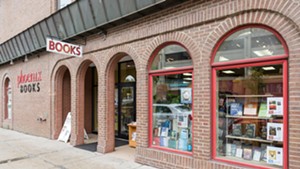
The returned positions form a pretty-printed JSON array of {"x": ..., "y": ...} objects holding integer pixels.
[{"x": 197, "y": 25}]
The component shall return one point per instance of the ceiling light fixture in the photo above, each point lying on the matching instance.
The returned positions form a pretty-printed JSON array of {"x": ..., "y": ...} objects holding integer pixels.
[
  {"x": 265, "y": 52},
  {"x": 187, "y": 74},
  {"x": 228, "y": 71},
  {"x": 268, "y": 68}
]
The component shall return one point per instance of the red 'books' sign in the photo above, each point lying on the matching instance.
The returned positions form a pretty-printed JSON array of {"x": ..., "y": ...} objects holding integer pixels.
[{"x": 63, "y": 48}]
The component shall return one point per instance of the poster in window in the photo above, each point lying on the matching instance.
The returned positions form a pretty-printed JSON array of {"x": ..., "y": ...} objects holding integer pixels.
[
  {"x": 186, "y": 95},
  {"x": 275, "y": 131},
  {"x": 182, "y": 120},
  {"x": 274, "y": 155},
  {"x": 275, "y": 105}
]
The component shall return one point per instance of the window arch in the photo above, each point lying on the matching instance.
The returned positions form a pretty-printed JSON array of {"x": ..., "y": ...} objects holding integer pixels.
[
  {"x": 170, "y": 99},
  {"x": 249, "y": 43},
  {"x": 171, "y": 56},
  {"x": 7, "y": 99},
  {"x": 249, "y": 103}
]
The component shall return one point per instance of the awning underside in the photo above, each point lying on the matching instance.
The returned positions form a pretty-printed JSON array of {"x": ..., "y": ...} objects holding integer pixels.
[{"x": 77, "y": 20}]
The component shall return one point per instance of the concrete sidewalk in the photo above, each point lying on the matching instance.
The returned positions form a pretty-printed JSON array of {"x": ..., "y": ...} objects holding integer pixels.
[{"x": 21, "y": 151}]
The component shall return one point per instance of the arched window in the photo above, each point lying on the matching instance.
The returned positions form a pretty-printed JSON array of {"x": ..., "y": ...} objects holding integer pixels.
[
  {"x": 7, "y": 99},
  {"x": 249, "y": 113},
  {"x": 252, "y": 42},
  {"x": 171, "y": 83}
]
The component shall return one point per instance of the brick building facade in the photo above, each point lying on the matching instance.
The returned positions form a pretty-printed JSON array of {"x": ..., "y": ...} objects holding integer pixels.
[{"x": 196, "y": 25}]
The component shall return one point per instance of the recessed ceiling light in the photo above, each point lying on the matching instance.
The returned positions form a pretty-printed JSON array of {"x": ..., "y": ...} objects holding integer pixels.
[
  {"x": 222, "y": 58},
  {"x": 268, "y": 68},
  {"x": 265, "y": 52},
  {"x": 228, "y": 71},
  {"x": 187, "y": 78},
  {"x": 187, "y": 74}
]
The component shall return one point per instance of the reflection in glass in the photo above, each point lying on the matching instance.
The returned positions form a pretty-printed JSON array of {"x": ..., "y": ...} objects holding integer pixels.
[
  {"x": 171, "y": 56},
  {"x": 172, "y": 111},
  {"x": 249, "y": 43},
  {"x": 250, "y": 114},
  {"x": 116, "y": 111},
  {"x": 127, "y": 108},
  {"x": 127, "y": 71}
]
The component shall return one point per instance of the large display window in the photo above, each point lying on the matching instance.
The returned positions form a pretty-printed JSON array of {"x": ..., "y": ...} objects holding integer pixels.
[
  {"x": 250, "y": 99},
  {"x": 171, "y": 99}
]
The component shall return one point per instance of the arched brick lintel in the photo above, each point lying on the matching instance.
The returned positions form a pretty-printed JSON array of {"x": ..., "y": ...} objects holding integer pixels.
[
  {"x": 285, "y": 27},
  {"x": 173, "y": 37},
  {"x": 57, "y": 76},
  {"x": 106, "y": 137},
  {"x": 77, "y": 133}
]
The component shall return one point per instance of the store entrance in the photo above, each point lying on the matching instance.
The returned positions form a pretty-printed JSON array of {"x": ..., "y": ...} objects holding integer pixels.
[{"x": 125, "y": 98}]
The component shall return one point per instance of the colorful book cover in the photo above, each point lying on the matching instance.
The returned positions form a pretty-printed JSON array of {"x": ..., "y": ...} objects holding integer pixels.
[
  {"x": 182, "y": 120},
  {"x": 250, "y": 109},
  {"x": 156, "y": 141},
  {"x": 184, "y": 133},
  {"x": 236, "y": 129},
  {"x": 164, "y": 141},
  {"x": 173, "y": 143},
  {"x": 274, "y": 155},
  {"x": 263, "y": 110},
  {"x": 182, "y": 144},
  {"x": 164, "y": 132},
  {"x": 236, "y": 109},
  {"x": 257, "y": 155},
  {"x": 186, "y": 95},
  {"x": 275, "y": 106},
  {"x": 275, "y": 131},
  {"x": 239, "y": 152},
  {"x": 228, "y": 149},
  {"x": 174, "y": 134},
  {"x": 250, "y": 130},
  {"x": 247, "y": 153},
  {"x": 233, "y": 149}
]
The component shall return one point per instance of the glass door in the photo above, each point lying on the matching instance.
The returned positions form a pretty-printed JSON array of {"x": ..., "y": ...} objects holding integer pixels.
[
  {"x": 124, "y": 109},
  {"x": 125, "y": 91}
]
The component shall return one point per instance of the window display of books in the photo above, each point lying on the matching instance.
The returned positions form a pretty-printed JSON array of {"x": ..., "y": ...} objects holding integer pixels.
[
  {"x": 254, "y": 129},
  {"x": 236, "y": 109}
]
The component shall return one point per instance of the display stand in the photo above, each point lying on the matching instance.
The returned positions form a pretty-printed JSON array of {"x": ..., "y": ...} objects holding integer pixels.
[{"x": 132, "y": 134}]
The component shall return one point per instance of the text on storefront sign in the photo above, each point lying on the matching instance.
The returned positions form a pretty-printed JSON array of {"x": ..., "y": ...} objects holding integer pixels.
[
  {"x": 29, "y": 82},
  {"x": 63, "y": 48}
]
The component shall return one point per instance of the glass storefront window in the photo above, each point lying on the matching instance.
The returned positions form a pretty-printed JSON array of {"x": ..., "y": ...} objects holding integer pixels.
[
  {"x": 249, "y": 43},
  {"x": 171, "y": 125},
  {"x": 250, "y": 115},
  {"x": 172, "y": 111},
  {"x": 171, "y": 56}
]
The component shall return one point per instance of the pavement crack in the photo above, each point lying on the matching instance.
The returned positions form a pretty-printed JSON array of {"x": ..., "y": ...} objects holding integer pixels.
[
  {"x": 14, "y": 159},
  {"x": 56, "y": 166}
]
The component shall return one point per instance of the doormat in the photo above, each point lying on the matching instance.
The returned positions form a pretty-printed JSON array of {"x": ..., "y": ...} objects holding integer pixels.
[{"x": 93, "y": 146}]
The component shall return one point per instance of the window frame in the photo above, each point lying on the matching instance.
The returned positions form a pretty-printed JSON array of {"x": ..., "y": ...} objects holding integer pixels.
[
  {"x": 251, "y": 62},
  {"x": 164, "y": 72},
  {"x": 248, "y": 60}
]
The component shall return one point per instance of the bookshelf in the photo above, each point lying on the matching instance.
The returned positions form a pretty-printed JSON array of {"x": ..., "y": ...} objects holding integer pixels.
[
  {"x": 247, "y": 129},
  {"x": 132, "y": 131},
  {"x": 249, "y": 139}
]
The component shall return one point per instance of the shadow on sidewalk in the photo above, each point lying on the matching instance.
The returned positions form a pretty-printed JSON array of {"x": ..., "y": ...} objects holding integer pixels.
[{"x": 93, "y": 146}]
